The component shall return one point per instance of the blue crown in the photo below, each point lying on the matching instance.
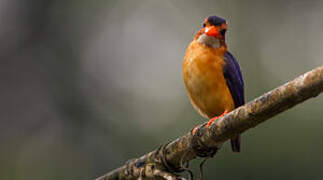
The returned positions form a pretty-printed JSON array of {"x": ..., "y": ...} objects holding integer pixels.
[{"x": 215, "y": 20}]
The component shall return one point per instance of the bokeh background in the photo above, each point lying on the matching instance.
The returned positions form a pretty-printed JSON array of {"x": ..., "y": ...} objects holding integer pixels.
[{"x": 87, "y": 85}]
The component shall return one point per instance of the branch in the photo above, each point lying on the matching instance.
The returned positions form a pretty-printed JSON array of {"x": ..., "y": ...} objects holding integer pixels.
[{"x": 241, "y": 119}]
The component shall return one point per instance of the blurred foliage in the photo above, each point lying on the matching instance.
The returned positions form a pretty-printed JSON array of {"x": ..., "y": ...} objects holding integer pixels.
[{"x": 90, "y": 84}]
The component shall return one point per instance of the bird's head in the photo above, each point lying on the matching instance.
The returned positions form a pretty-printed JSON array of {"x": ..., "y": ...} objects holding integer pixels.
[{"x": 213, "y": 32}]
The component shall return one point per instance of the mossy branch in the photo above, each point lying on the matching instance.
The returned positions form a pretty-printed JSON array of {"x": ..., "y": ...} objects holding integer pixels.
[{"x": 152, "y": 165}]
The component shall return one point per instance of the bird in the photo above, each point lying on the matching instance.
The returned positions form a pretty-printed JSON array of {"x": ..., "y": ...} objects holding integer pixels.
[{"x": 212, "y": 75}]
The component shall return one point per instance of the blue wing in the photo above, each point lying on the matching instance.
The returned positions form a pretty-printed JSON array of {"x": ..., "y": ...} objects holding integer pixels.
[{"x": 233, "y": 76}]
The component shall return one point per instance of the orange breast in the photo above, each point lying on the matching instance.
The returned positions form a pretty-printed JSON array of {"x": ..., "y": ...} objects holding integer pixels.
[{"x": 204, "y": 80}]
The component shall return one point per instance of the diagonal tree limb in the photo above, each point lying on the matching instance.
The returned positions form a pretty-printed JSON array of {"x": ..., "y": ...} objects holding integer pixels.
[{"x": 241, "y": 119}]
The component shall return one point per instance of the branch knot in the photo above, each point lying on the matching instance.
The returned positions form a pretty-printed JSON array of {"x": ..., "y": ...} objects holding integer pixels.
[{"x": 199, "y": 148}]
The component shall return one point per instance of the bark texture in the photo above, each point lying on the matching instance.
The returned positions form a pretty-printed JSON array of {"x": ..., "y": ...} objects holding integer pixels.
[{"x": 164, "y": 161}]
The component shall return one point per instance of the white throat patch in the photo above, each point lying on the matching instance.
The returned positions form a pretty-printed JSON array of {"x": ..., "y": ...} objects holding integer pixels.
[{"x": 209, "y": 41}]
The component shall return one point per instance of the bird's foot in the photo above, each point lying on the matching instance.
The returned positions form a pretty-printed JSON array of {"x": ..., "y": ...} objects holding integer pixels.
[
  {"x": 194, "y": 130},
  {"x": 215, "y": 118}
]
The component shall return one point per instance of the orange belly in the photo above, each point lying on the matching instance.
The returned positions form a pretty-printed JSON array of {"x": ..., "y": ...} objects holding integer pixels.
[{"x": 204, "y": 80}]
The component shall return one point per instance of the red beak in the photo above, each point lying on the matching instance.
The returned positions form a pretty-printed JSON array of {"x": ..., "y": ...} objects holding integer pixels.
[{"x": 212, "y": 31}]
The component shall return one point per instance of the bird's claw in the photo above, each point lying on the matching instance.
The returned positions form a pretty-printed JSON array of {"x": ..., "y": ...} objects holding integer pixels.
[
  {"x": 194, "y": 130},
  {"x": 215, "y": 118}
]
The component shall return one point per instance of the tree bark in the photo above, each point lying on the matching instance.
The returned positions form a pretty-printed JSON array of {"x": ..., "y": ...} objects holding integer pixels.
[{"x": 167, "y": 159}]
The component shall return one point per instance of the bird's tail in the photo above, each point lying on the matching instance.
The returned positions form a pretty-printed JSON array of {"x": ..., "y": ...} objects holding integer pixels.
[{"x": 236, "y": 143}]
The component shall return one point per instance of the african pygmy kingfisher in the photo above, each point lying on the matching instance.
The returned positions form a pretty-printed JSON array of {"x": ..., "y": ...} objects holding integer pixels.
[{"x": 212, "y": 75}]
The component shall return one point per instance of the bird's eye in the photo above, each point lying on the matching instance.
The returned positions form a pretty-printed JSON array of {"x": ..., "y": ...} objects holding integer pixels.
[
  {"x": 204, "y": 24},
  {"x": 223, "y": 32}
]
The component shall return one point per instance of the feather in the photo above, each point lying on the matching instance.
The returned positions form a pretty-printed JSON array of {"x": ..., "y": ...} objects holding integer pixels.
[{"x": 233, "y": 77}]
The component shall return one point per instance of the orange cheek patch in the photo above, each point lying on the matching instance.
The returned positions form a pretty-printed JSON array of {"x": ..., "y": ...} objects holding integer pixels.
[
  {"x": 224, "y": 26},
  {"x": 207, "y": 24}
]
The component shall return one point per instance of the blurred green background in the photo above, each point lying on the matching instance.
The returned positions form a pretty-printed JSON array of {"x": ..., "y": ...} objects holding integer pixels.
[{"x": 86, "y": 85}]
